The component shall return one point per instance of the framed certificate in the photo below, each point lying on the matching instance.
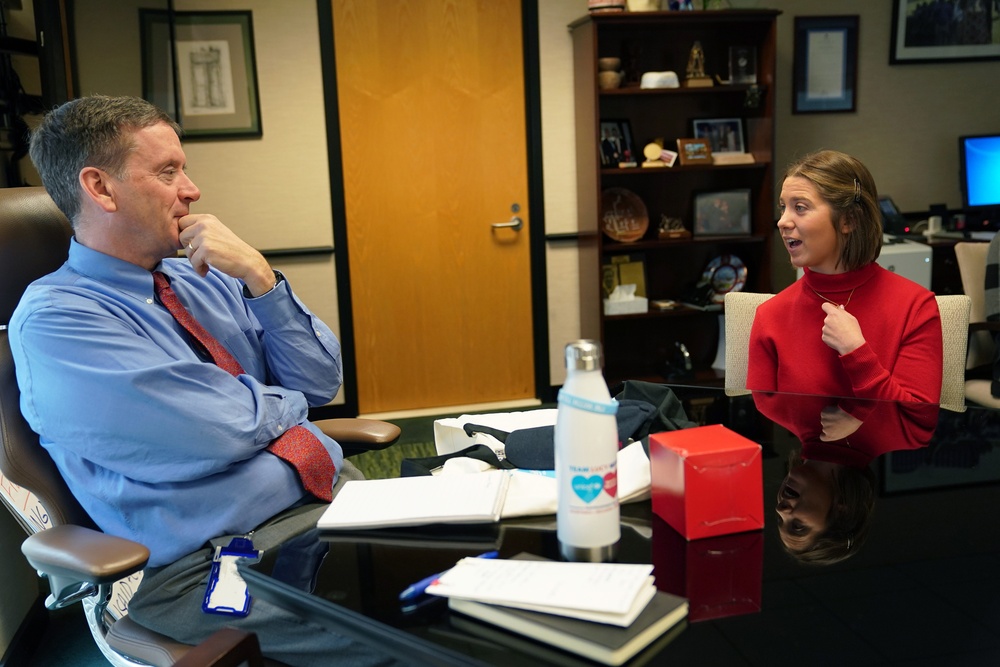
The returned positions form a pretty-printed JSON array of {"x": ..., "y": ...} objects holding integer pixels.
[{"x": 825, "y": 70}]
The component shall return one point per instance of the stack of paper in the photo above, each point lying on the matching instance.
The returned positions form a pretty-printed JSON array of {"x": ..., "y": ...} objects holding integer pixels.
[
  {"x": 604, "y": 611},
  {"x": 601, "y": 592}
]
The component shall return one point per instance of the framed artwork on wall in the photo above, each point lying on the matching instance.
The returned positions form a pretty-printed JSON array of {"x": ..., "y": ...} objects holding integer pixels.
[
  {"x": 825, "y": 69},
  {"x": 215, "y": 71},
  {"x": 930, "y": 32}
]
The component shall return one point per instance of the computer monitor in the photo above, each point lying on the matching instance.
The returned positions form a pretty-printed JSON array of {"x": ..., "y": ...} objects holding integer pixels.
[
  {"x": 979, "y": 158},
  {"x": 893, "y": 221}
]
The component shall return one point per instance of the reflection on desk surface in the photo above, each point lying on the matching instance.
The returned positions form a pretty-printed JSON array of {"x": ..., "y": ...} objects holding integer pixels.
[{"x": 920, "y": 587}]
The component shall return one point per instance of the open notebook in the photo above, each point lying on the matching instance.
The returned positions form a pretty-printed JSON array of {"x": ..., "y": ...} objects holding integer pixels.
[{"x": 417, "y": 501}]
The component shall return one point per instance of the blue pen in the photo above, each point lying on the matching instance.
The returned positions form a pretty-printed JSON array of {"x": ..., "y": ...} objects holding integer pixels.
[{"x": 419, "y": 588}]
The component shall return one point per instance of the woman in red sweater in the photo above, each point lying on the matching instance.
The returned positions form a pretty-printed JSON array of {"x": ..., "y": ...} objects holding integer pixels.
[{"x": 848, "y": 327}]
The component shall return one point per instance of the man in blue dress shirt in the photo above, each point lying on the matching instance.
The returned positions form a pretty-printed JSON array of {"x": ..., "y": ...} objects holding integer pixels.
[{"x": 158, "y": 444}]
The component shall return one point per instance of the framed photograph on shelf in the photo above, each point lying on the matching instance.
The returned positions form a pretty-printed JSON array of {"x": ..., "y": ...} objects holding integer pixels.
[
  {"x": 616, "y": 144},
  {"x": 933, "y": 32},
  {"x": 215, "y": 72},
  {"x": 742, "y": 64},
  {"x": 694, "y": 151},
  {"x": 825, "y": 69},
  {"x": 722, "y": 213},
  {"x": 724, "y": 135}
]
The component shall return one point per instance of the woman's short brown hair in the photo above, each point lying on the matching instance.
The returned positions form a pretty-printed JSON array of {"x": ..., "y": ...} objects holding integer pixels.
[{"x": 848, "y": 187}]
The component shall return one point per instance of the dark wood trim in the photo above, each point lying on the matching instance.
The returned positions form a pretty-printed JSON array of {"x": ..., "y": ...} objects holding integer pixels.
[
  {"x": 324, "y": 11},
  {"x": 566, "y": 236},
  {"x": 536, "y": 196},
  {"x": 292, "y": 252},
  {"x": 16, "y": 45}
]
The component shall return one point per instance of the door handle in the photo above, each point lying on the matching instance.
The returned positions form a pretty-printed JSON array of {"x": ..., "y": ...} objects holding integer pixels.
[{"x": 515, "y": 223}]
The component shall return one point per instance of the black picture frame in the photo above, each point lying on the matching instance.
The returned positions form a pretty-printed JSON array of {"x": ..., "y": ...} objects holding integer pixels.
[
  {"x": 932, "y": 32},
  {"x": 218, "y": 83},
  {"x": 724, "y": 135},
  {"x": 615, "y": 143},
  {"x": 722, "y": 213},
  {"x": 825, "y": 69}
]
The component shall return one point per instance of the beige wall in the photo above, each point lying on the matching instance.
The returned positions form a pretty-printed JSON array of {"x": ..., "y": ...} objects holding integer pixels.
[
  {"x": 275, "y": 191},
  {"x": 568, "y": 320},
  {"x": 908, "y": 118},
  {"x": 905, "y": 130}
]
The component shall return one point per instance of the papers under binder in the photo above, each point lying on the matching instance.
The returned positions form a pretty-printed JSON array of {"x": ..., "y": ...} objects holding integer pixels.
[{"x": 417, "y": 501}]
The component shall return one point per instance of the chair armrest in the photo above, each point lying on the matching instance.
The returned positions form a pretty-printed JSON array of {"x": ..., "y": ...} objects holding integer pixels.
[
  {"x": 74, "y": 552},
  {"x": 363, "y": 434}
]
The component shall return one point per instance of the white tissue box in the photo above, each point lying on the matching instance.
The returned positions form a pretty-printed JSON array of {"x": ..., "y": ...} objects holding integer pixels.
[{"x": 639, "y": 304}]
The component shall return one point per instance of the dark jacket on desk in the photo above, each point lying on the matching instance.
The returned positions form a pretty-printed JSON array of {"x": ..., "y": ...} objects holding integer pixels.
[{"x": 643, "y": 408}]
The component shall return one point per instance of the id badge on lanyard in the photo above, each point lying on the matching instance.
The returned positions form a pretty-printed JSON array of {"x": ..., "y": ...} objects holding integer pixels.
[{"x": 226, "y": 592}]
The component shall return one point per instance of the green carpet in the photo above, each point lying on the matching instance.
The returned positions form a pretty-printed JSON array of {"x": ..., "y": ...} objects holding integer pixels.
[
  {"x": 384, "y": 463},
  {"x": 416, "y": 440}
]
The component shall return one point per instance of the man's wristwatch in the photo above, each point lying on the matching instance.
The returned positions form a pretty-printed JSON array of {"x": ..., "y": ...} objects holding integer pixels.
[{"x": 278, "y": 278}]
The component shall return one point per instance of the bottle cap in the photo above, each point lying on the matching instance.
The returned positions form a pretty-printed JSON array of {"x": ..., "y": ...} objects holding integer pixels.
[{"x": 583, "y": 355}]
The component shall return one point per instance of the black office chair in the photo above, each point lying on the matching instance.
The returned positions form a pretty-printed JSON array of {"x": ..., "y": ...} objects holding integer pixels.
[{"x": 81, "y": 563}]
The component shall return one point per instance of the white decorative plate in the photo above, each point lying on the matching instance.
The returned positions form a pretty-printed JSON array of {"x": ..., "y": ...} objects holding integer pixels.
[{"x": 726, "y": 273}]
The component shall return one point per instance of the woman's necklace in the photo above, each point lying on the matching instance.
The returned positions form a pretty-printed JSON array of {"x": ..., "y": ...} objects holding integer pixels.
[{"x": 842, "y": 306}]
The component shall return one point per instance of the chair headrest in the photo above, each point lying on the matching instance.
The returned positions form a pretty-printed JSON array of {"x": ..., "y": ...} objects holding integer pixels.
[{"x": 34, "y": 241}]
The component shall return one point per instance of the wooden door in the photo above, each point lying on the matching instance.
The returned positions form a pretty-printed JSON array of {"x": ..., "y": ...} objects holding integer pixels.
[{"x": 432, "y": 124}]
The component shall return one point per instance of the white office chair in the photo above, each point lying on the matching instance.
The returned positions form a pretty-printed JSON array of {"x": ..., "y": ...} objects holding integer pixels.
[
  {"x": 972, "y": 267},
  {"x": 954, "y": 310},
  {"x": 740, "y": 310},
  {"x": 742, "y": 306}
]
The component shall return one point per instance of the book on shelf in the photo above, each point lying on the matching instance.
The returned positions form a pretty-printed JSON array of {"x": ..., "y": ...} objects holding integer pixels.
[
  {"x": 665, "y": 614},
  {"x": 624, "y": 270},
  {"x": 733, "y": 158},
  {"x": 708, "y": 307},
  {"x": 417, "y": 501}
]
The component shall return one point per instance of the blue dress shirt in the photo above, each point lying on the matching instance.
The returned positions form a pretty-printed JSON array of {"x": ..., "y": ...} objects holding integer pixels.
[{"x": 159, "y": 445}]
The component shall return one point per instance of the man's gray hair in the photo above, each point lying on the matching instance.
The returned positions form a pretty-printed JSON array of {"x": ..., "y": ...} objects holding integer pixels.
[{"x": 95, "y": 131}]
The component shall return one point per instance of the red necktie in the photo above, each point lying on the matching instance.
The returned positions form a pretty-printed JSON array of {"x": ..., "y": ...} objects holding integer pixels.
[{"x": 297, "y": 446}]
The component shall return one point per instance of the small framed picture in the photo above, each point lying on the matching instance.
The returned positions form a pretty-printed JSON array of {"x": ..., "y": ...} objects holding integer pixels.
[
  {"x": 724, "y": 135},
  {"x": 723, "y": 213},
  {"x": 694, "y": 151},
  {"x": 616, "y": 144},
  {"x": 742, "y": 64},
  {"x": 212, "y": 89}
]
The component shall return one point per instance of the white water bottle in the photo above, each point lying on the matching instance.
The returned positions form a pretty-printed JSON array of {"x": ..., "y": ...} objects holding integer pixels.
[{"x": 586, "y": 446}]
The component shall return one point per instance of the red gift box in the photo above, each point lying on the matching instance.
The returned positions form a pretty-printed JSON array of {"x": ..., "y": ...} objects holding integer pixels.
[
  {"x": 707, "y": 481},
  {"x": 720, "y": 576}
]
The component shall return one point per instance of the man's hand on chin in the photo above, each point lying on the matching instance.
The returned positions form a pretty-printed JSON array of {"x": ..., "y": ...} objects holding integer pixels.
[{"x": 209, "y": 243}]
